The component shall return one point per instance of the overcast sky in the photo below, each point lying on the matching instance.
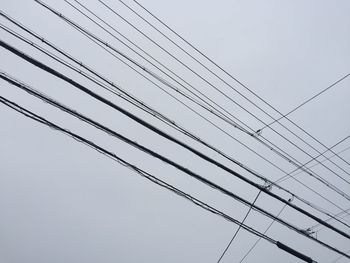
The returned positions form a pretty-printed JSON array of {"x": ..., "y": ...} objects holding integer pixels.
[{"x": 61, "y": 201}]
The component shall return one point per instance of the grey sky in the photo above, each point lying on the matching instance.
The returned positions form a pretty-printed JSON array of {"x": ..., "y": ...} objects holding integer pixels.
[{"x": 63, "y": 202}]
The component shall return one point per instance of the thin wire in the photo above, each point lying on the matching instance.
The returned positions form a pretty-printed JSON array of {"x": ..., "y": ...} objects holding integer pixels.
[
  {"x": 306, "y": 101},
  {"x": 237, "y": 230},
  {"x": 233, "y": 78},
  {"x": 258, "y": 240},
  {"x": 155, "y": 114}
]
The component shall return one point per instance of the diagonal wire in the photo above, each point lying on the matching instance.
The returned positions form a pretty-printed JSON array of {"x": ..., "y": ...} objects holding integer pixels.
[
  {"x": 258, "y": 240},
  {"x": 239, "y": 227}
]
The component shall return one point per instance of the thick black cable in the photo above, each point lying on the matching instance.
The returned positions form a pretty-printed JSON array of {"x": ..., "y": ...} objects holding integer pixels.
[
  {"x": 184, "y": 145},
  {"x": 147, "y": 175},
  {"x": 155, "y": 114},
  {"x": 294, "y": 162},
  {"x": 234, "y": 78},
  {"x": 237, "y": 230}
]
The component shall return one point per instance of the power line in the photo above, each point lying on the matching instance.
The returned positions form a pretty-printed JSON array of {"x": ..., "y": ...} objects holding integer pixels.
[
  {"x": 294, "y": 161},
  {"x": 235, "y": 79},
  {"x": 183, "y": 169},
  {"x": 150, "y": 177},
  {"x": 153, "y": 113}
]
